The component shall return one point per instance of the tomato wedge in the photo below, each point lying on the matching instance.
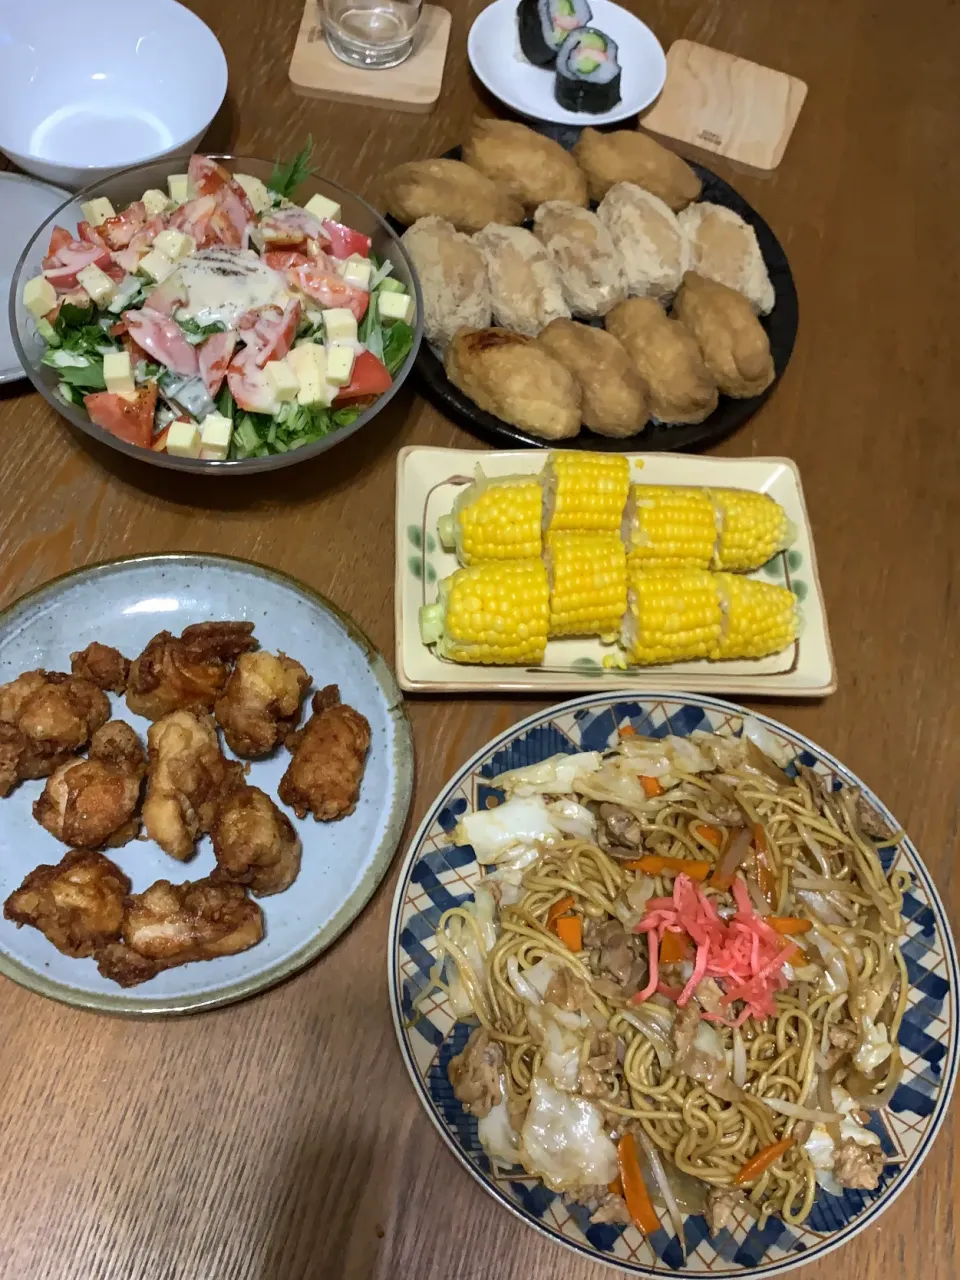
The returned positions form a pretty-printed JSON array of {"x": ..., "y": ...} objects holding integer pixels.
[
  {"x": 118, "y": 231},
  {"x": 344, "y": 241},
  {"x": 329, "y": 289},
  {"x": 215, "y": 355},
  {"x": 283, "y": 259},
  {"x": 59, "y": 239},
  {"x": 90, "y": 234},
  {"x": 250, "y": 386},
  {"x": 130, "y": 420},
  {"x": 370, "y": 378}
]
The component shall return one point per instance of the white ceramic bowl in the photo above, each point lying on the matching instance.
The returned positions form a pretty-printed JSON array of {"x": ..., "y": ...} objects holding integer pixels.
[{"x": 87, "y": 91}]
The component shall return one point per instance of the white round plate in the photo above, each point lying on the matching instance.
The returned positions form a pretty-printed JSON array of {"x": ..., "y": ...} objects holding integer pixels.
[
  {"x": 493, "y": 47},
  {"x": 124, "y": 603},
  {"x": 26, "y": 205},
  {"x": 438, "y": 874}
]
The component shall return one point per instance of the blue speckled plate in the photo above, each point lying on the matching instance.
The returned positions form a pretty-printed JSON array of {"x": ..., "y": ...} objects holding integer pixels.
[
  {"x": 438, "y": 874},
  {"x": 124, "y": 603}
]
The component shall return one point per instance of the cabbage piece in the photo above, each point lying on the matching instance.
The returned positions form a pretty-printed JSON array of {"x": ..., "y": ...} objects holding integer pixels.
[
  {"x": 875, "y": 1049},
  {"x": 573, "y": 819},
  {"x": 849, "y": 1128},
  {"x": 553, "y": 776},
  {"x": 510, "y": 828},
  {"x": 762, "y": 738},
  {"x": 497, "y": 1135},
  {"x": 560, "y": 1045},
  {"x": 563, "y": 1140},
  {"x": 461, "y": 935}
]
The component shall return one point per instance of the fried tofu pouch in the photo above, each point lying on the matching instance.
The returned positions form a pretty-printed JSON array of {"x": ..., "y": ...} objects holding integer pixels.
[
  {"x": 592, "y": 271},
  {"x": 614, "y": 396},
  {"x": 725, "y": 248},
  {"x": 532, "y": 167},
  {"x": 731, "y": 339},
  {"x": 628, "y": 156},
  {"x": 453, "y": 279},
  {"x": 508, "y": 375},
  {"x": 526, "y": 291},
  {"x": 648, "y": 237},
  {"x": 667, "y": 357},
  {"x": 448, "y": 189}
]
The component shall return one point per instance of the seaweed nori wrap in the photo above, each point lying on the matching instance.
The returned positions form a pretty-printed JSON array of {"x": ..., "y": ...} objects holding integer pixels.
[
  {"x": 545, "y": 24},
  {"x": 588, "y": 72}
]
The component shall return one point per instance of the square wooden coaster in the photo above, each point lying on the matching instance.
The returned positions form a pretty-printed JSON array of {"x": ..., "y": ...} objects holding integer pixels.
[
  {"x": 412, "y": 86},
  {"x": 726, "y": 105}
]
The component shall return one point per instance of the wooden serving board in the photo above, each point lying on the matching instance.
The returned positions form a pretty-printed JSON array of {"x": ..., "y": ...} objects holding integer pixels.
[
  {"x": 414, "y": 85},
  {"x": 727, "y": 105}
]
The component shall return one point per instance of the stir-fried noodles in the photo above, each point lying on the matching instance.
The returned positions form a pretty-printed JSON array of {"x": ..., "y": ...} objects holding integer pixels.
[{"x": 685, "y": 965}]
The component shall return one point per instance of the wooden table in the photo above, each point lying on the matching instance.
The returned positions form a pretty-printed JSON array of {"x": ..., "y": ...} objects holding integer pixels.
[{"x": 281, "y": 1139}]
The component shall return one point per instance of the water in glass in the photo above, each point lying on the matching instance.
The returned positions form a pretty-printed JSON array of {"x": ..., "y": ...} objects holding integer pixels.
[{"x": 371, "y": 33}]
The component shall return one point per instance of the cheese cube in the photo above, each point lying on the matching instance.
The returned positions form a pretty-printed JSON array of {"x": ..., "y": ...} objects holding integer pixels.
[
  {"x": 340, "y": 358},
  {"x": 155, "y": 202},
  {"x": 183, "y": 439},
  {"x": 322, "y": 208},
  {"x": 156, "y": 264},
  {"x": 39, "y": 296},
  {"x": 178, "y": 184},
  {"x": 98, "y": 211},
  {"x": 309, "y": 364},
  {"x": 174, "y": 245},
  {"x": 284, "y": 381},
  {"x": 339, "y": 325},
  {"x": 395, "y": 306},
  {"x": 216, "y": 432},
  {"x": 357, "y": 271},
  {"x": 117, "y": 373},
  {"x": 97, "y": 283},
  {"x": 255, "y": 191}
]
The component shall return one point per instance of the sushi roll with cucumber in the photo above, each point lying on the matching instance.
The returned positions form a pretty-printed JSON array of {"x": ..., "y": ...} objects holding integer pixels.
[
  {"x": 588, "y": 72},
  {"x": 545, "y": 24}
]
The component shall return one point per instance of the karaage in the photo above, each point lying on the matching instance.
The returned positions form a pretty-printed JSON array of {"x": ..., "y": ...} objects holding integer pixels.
[
  {"x": 260, "y": 704},
  {"x": 329, "y": 754},
  {"x": 186, "y": 673},
  {"x": 88, "y": 803},
  {"x": 107, "y": 668},
  {"x": 77, "y": 904},
  {"x": 173, "y": 924},
  {"x": 187, "y": 778},
  {"x": 254, "y": 844},
  {"x": 45, "y": 716}
]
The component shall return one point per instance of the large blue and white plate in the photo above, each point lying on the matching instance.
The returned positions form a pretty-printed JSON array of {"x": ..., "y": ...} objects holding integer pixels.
[{"x": 438, "y": 874}]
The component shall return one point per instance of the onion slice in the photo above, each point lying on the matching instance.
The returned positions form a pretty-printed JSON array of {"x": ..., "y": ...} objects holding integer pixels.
[
  {"x": 669, "y": 1199},
  {"x": 796, "y": 1112},
  {"x": 739, "y": 1075}
]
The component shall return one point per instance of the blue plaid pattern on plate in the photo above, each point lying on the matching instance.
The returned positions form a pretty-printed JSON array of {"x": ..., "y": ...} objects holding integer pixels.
[{"x": 439, "y": 873}]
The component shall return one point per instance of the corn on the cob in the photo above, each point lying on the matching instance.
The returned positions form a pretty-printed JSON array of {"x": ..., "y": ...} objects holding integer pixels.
[
  {"x": 495, "y": 519},
  {"x": 669, "y": 526},
  {"x": 753, "y": 527},
  {"x": 493, "y": 613},
  {"x": 585, "y": 492},
  {"x": 759, "y": 617},
  {"x": 673, "y": 615},
  {"x": 588, "y": 583}
]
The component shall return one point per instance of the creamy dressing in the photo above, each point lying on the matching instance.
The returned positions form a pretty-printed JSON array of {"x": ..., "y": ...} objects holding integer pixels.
[{"x": 223, "y": 284}]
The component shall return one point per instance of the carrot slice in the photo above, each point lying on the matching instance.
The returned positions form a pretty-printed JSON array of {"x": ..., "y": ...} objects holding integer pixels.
[
  {"x": 703, "y": 831},
  {"x": 628, "y": 731},
  {"x": 639, "y": 1205},
  {"x": 560, "y": 908},
  {"x": 674, "y": 947},
  {"x": 762, "y": 1161},
  {"x": 651, "y": 786},
  {"x": 570, "y": 932},
  {"x": 654, "y": 864},
  {"x": 789, "y": 924}
]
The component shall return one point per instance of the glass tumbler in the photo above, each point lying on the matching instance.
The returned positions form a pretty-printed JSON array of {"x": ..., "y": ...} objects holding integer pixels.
[{"x": 370, "y": 33}]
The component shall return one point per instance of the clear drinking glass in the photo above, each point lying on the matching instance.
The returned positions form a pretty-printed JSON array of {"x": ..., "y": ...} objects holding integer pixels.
[{"x": 370, "y": 33}]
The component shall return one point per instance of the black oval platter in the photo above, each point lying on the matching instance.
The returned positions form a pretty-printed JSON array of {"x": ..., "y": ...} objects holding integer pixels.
[{"x": 729, "y": 415}]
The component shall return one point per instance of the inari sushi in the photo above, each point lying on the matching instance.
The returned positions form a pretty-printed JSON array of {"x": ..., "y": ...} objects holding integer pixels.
[
  {"x": 545, "y": 24},
  {"x": 588, "y": 72}
]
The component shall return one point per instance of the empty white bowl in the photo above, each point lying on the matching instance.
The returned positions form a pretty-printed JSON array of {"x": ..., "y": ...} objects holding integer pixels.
[{"x": 87, "y": 91}]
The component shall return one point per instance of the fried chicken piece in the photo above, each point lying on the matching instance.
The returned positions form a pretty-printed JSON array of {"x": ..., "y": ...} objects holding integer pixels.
[
  {"x": 255, "y": 844},
  {"x": 187, "y": 778},
  {"x": 631, "y": 156},
  {"x": 261, "y": 702},
  {"x": 731, "y": 339},
  {"x": 724, "y": 247},
  {"x": 526, "y": 288},
  {"x": 173, "y": 924},
  {"x": 448, "y": 189},
  {"x": 667, "y": 357},
  {"x": 189, "y": 672},
  {"x": 614, "y": 396},
  {"x": 45, "y": 716},
  {"x": 88, "y": 803},
  {"x": 594, "y": 277},
  {"x": 107, "y": 668},
  {"x": 453, "y": 278},
  {"x": 532, "y": 167},
  {"x": 77, "y": 905},
  {"x": 329, "y": 753}
]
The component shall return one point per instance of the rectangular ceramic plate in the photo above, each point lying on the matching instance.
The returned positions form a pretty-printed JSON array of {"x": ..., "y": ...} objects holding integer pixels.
[{"x": 428, "y": 481}]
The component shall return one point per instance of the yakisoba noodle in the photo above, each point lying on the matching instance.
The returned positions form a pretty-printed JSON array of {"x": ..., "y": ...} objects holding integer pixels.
[{"x": 820, "y": 868}]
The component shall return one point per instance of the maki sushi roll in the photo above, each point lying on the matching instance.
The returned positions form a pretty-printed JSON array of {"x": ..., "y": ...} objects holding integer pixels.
[
  {"x": 588, "y": 73},
  {"x": 545, "y": 24}
]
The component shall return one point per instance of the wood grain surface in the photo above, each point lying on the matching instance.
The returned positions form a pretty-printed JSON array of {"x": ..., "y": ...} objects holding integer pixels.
[{"x": 280, "y": 1139}]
